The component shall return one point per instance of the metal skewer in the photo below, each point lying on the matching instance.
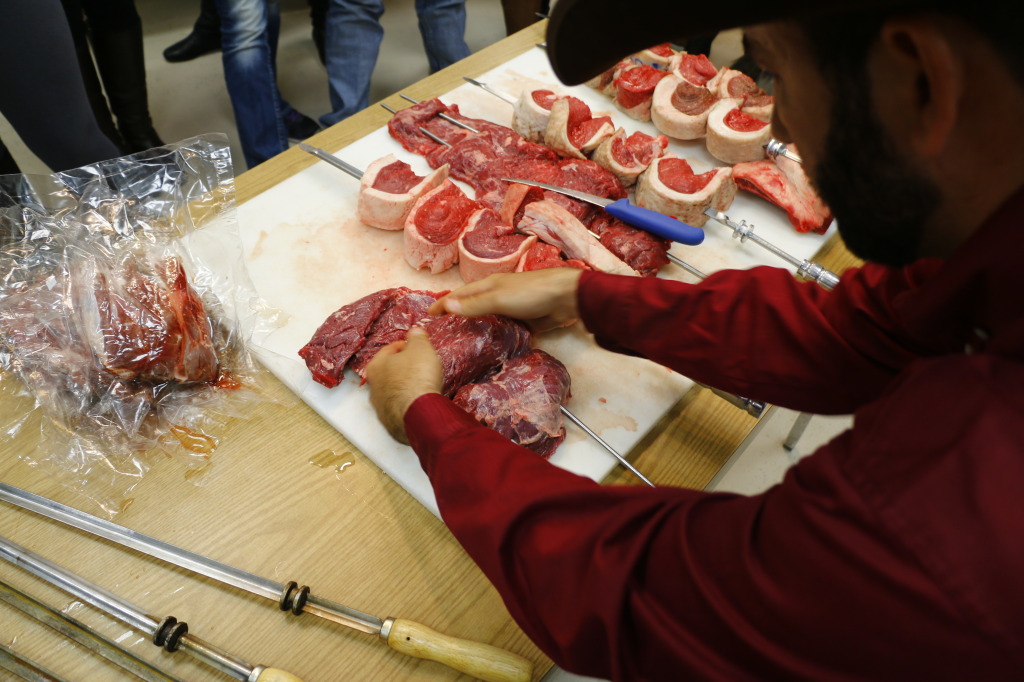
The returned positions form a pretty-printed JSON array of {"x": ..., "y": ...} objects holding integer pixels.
[
  {"x": 776, "y": 148},
  {"x": 450, "y": 119},
  {"x": 167, "y": 633},
  {"x": 81, "y": 634},
  {"x": 24, "y": 668},
  {"x": 408, "y": 637},
  {"x": 487, "y": 88},
  {"x": 805, "y": 268}
]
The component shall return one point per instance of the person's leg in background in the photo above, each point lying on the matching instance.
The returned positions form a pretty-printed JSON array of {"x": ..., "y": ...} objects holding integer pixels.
[
  {"x": 115, "y": 32},
  {"x": 318, "y": 18},
  {"x": 93, "y": 88},
  {"x": 353, "y": 40},
  {"x": 248, "y": 56},
  {"x": 44, "y": 99},
  {"x": 204, "y": 38},
  {"x": 443, "y": 27}
]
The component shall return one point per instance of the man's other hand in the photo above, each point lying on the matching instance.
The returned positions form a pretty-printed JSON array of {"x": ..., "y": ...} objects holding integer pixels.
[
  {"x": 545, "y": 298},
  {"x": 399, "y": 374}
]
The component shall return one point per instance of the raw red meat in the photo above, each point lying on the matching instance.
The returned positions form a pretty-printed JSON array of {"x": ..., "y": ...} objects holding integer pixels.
[
  {"x": 473, "y": 348},
  {"x": 737, "y": 119},
  {"x": 396, "y": 178},
  {"x": 470, "y": 348},
  {"x": 480, "y": 160},
  {"x": 522, "y": 402},
  {"x": 343, "y": 333},
  {"x": 676, "y": 174},
  {"x": 143, "y": 320},
  {"x": 636, "y": 86},
  {"x": 393, "y": 325},
  {"x": 642, "y": 251},
  {"x": 490, "y": 246},
  {"x": 628, "y": 157},
  {"x": 442, "y": 214},
  {"x": 784, "y": 183},
  {"x": 692, "y": 99},
  {"x": 542, "y": 256},
  {"x": 696, "y": 68},
  {"x": 491, "y": 238}
]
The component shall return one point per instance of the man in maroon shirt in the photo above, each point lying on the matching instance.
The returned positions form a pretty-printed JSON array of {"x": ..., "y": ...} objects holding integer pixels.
[{"x": 897, "y": 550}]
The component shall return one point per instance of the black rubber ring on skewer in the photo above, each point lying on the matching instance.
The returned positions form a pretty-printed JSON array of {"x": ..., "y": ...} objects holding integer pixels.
[
  {"x": 299, "y": 601},
  {"x": 293, "y": 598},
  {"x": 169, "y": 633},
  {"x": 286, "y": 595}
]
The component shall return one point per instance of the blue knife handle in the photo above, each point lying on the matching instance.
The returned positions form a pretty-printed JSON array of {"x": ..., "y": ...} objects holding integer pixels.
[{"x": 656, "y": 223}]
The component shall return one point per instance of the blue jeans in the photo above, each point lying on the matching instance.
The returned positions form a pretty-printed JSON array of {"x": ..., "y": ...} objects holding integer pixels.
[
  {"x": 353, "y": 41},
  {"x": 249, "y": 31}
]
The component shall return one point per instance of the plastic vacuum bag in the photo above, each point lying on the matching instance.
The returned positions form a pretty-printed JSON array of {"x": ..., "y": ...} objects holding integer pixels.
[{"x": 125, "y": 309}]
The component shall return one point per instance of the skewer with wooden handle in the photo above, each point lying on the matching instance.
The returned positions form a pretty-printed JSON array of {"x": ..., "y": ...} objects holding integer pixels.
[
  {"x": 483, "y": 661},
  {"x": 82, "y": 635},
  {"x": 168, "y": 633}
]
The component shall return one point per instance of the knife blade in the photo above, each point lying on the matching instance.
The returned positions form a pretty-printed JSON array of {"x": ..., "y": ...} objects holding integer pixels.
[{"x": 642, "y": 218}]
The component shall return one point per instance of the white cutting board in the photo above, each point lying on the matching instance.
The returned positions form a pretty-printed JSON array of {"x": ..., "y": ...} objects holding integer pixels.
[{"x": 309, "y": 255}]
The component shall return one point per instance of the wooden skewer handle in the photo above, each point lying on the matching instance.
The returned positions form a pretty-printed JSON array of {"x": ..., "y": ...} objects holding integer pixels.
[
  {"x": 482, "y": 661},
  {"x": 276, "y": 675}
]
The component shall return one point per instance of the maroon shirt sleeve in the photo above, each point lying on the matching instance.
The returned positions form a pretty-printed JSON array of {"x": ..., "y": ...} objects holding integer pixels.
[
  {"x": 762, "y": 334},
  {"x": 637, "y": 583}
]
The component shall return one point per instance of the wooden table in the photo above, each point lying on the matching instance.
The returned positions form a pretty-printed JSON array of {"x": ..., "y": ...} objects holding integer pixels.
[{"x": 269, "y": 506}]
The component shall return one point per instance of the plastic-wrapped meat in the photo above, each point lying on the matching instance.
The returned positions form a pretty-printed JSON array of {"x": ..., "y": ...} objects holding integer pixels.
[
  {"x": 784, "y": 183},
  {"x": 629, "y": 156},
  {"x": 642, "y": 251},
  {"x": 573, "y": 131},
  {"x": 490, "y": 245},
  {"x": 143, "y": 320},
  {"x": 556, "y": 226},
  {"x": 433, "y": 228},
  {"x": 542, "y": 256},
  {"x": 522, "y": 402},
  {"x": 343, "y": 333},
  {"x": 473, "y": 348},
  {"x": 680, "y": 108},
  {"x": 671, "y": 187},
  {"x": 388, "y": 190},
  {"x": 634, "y": 89},
  {"x": 734, "y": 136}
]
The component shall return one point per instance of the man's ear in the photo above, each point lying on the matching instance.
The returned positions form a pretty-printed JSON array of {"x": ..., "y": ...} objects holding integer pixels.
[{"x": 919, "y": 82}]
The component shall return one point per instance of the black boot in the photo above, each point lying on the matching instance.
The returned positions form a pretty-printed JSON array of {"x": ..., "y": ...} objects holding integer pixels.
[
  {"x": 123, "y": 70},
  {"x": 204, "y": 38}
]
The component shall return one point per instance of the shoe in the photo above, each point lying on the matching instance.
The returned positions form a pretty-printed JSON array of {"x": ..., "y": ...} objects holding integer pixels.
[
  {"x": 191, "y": 46},
  {"x": 300, "y": 126}
]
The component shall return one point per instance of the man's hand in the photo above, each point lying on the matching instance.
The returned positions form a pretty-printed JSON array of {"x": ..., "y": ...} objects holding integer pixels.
[
  {"x": 399, "y": 374},
  {"x": 547, "y": 298}
]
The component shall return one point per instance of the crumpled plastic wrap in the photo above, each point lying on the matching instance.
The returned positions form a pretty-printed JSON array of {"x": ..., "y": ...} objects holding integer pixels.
[{"x": 125, "y": 309}]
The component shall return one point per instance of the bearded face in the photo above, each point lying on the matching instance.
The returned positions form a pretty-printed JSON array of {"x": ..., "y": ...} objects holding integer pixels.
[{"x": 881, "y": 201}]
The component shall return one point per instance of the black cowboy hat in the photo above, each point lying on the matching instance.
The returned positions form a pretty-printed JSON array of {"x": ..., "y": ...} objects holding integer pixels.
[{"x": 586, "y": 37}]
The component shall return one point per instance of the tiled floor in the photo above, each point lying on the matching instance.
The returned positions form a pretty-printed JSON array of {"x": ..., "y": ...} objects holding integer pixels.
[{"x": 189, "y": 99}]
